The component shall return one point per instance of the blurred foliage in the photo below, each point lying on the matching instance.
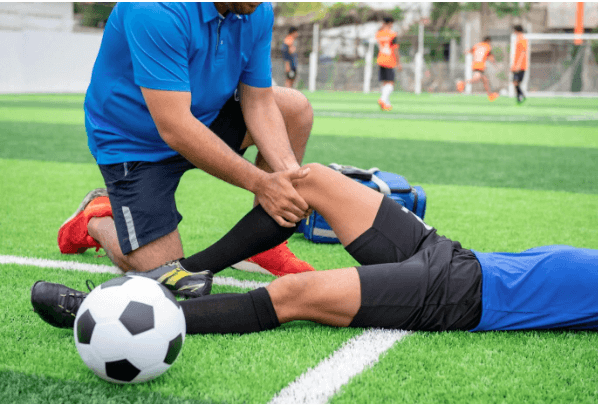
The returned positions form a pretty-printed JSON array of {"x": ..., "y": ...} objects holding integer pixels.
[
  {"x": 93, "y": 14},
  {"x": 498, "y": 53},
  {"x": 289, "y": 9},
  {"x": 442, "y": 12},
  {"x": 339, "y": 14}
]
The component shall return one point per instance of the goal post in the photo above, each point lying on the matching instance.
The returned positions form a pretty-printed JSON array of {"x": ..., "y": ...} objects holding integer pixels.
[{"x": 560, "y": 68}]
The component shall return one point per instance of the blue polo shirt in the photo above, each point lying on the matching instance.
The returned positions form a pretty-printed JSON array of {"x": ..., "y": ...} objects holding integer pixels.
[
  {"x": 548, "y": 287},
  {"x": 186, "y": 47}
]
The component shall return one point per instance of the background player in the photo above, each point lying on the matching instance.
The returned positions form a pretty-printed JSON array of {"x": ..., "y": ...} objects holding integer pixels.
[
  {"x": 388, "y": 59},
  {"x": 519, "y": 62},
  {"x": 289, "y": 55},
  {"x": 481, "y": 52},
  {"x": 411, "y": 278}
]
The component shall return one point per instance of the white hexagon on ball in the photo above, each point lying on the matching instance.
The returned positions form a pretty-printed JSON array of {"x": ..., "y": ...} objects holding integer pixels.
[{"x": 129, "y": 330}]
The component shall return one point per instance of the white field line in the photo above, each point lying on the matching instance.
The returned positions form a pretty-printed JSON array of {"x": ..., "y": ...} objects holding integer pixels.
[
  {"x": 440, "y": 117},
  {"x": 318, "y": 385},
  {"x": 99, "y": 268}
]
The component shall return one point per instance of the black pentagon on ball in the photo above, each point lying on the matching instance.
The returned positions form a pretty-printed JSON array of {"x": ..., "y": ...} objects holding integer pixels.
[
  {"x": 174, "y": 348},
  {"x": 137, "y": 317},
  {"x": 169, "y": 295},
  {"x": 115, "y": 282},
  {"x": 85, "y": 326},
  {"x": 121, "y": 370}
]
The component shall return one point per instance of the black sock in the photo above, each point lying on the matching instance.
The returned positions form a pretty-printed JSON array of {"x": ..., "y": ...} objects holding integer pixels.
[
  {"x": 230, "y": 313},
  {"x": 519, "y": 92},
  {"x": 256, "y": 232}
]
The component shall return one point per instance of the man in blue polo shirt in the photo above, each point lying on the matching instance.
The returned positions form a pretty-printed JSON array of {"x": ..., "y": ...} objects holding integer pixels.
[{"x": 177, "y": 86}]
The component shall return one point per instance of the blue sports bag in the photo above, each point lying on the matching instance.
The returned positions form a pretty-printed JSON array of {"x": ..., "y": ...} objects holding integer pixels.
[{"x": 316, "y": 229}]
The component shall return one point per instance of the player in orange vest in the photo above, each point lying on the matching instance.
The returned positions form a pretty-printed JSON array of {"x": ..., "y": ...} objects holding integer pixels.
[
  {"x": 388, "y": 59},
  {"x": 289, "y": 54},
  {"x": 481, "y": 52},
  {"x": 520, "y": 62}
]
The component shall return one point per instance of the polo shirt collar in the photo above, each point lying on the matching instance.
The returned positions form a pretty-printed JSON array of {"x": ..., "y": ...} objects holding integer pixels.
[{"x": 209, "y": 12}]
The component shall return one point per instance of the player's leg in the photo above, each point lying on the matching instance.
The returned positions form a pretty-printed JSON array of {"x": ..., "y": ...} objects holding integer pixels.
[
  {"x": 486, "y": 84},
  {"x": 517, "y": 79},
  {"x": 140, "y": 197},
  {"x": 297, "y": 114},
  {"x": 388, "y": 88},
  {"x": 162, "y": 250},
  {"x": 330, "y": 297},
  {"x": 386, "y": 78},
  {"x": 423, "y": 281},
  {"x": 476, "y": 77},
  {"x": 352, "y": 209}
]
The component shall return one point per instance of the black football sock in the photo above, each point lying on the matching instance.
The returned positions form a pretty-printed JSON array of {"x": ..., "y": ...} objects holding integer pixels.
[
  {"x": 519, "y": 92},
  {"x": 256, "y": 232},
  {"x": 230, "y": 313}
]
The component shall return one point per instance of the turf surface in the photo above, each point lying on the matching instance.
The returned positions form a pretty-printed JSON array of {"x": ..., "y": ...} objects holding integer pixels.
[{"x": 494, "y": 183}]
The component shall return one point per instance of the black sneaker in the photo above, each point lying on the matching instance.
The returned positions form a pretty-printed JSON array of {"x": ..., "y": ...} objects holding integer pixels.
[
  {"x": 56, "y": 304},
  {"x": 179, "y": 280}
]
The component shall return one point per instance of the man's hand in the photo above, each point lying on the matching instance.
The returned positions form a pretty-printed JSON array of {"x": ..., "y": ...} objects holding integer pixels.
[
  {"x": 276, "y": 194},
  {"x": 400, "y": 67}
]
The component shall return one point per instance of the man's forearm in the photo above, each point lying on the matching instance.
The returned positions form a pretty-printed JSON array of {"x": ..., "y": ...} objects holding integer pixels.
[
  {"x": 267, "y": 128},
  {"x": 208, "y": 152}
]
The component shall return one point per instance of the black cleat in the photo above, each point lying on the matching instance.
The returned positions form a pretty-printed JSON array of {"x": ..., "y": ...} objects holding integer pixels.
[
  {"x": 179, "y": 280},
  {"x": 56, "y": 304}
]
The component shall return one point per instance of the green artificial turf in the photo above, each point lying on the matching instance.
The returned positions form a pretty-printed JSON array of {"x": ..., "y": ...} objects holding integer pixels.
[
  {"x": 492, "y": 184},
  {"x": 490, "y": 367}
]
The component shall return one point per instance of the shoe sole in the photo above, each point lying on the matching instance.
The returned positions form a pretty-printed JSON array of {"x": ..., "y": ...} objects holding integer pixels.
[
  {"x": 92, "y": 195},
  {"x": 251, "y": 267}
]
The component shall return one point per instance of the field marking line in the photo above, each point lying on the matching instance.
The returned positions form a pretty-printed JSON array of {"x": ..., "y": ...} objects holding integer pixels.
[
  {"x": 475, "y": 118},
  {"x": 319, "y": 384},
  {"x": 100, "y": 268}
]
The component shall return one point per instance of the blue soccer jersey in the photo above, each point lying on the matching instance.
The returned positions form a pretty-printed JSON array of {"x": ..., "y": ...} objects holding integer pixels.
[
  {"x": 548, "y": 287},
  {"x": 186, "y": 47}
]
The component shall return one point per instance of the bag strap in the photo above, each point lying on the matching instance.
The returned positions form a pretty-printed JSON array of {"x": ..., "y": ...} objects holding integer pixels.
[{"x": 363, "y": 174}]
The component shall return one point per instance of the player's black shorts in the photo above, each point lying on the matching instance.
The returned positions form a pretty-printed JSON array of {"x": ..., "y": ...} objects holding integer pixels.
[
  {"x": 518, "y": 76},
  {"x": 142, "y": 193},
  {"x": 386, "y": 74},
  {"x": 412, "y": 278},
  {"x": 482, "y": 71}
]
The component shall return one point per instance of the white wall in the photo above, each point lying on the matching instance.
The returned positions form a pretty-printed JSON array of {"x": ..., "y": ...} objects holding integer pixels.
[{"x": 46, "y": 61}]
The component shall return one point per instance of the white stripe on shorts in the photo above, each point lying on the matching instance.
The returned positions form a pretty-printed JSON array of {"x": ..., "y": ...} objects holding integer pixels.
[{"x": 130, "y": 228}]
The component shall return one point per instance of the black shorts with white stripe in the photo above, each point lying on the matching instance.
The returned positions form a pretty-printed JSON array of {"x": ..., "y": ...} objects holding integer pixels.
[{"x": 142, "y": 193}]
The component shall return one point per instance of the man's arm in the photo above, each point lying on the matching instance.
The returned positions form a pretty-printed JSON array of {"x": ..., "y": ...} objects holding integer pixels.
[
  {"x": 171, "y": 113},
  {"x": 266, "y": 126},
  {"x": 398, "y": 56}
]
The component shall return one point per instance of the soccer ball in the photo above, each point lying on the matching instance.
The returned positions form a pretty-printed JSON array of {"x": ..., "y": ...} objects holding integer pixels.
[{"x": 129, "y": 329}]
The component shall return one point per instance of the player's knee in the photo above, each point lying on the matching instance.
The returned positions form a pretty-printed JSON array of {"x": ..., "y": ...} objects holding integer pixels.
[
  {"x": 316, "y": 173},
  {"x": 289, "y": 291},
  {"x": 302, "y": 112}
]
